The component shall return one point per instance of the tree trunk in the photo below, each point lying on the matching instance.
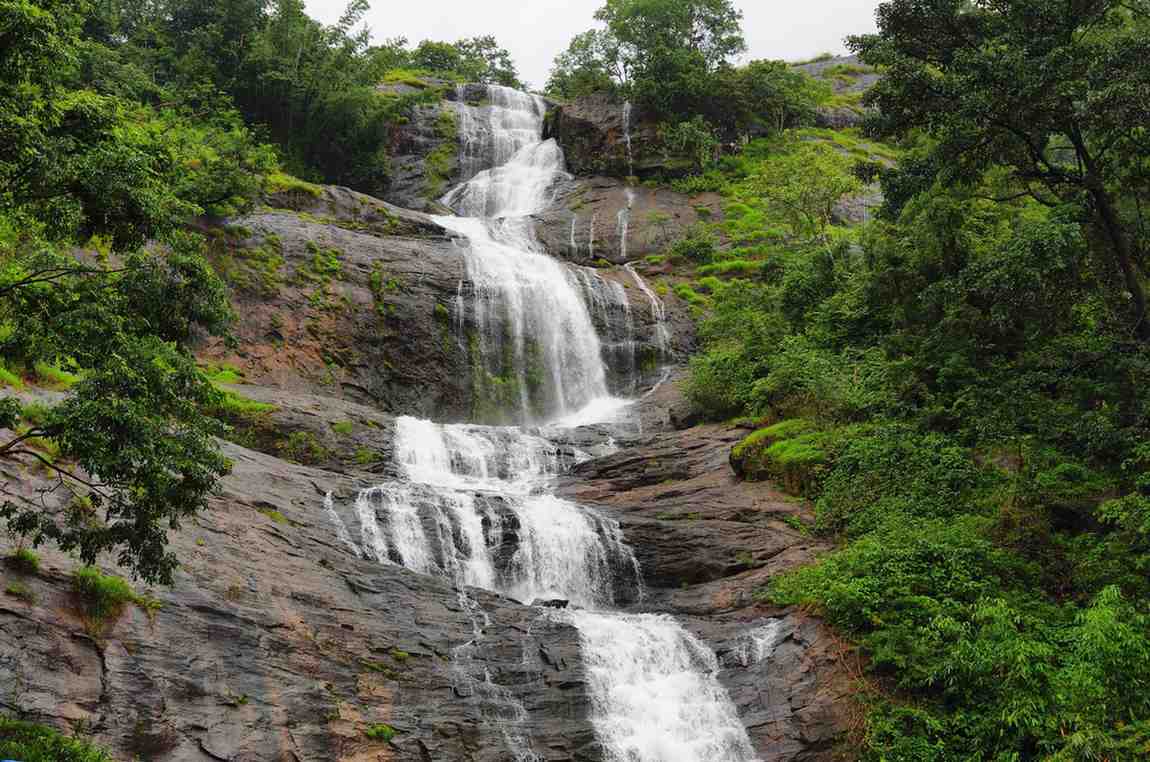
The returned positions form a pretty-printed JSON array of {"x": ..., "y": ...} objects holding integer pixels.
[{"x": 1120, "y": 242}]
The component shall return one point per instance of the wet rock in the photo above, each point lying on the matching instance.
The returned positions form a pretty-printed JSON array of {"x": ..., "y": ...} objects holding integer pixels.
[
  {"x": 593, "y": 132},
  {"x": 554, "y": 603},
  {"x": 586, "y": 221},
  {"x": 708, "y": 543},
  {"x": 342, "y": 306},
  {"x": 276, "y": 642}
]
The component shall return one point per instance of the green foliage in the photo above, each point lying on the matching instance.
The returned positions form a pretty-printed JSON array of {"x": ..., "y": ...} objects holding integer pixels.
[
  {"x": 8, "y": 378},
  {"x": 380, "y": 732},
  {"x": 53, "y": 376},
  {"x": 303, "y": 447},
  {"x": 24, "y": 561},
  {"x": 130, "y": 434},
  {"x": 941, "y": 60},
  {"x": 28, "y": 742},
  {"x": 102, "y": 597},
  {"x": 794, "y": 453},
  {"x": 672, "y": 58},
  {"x": 968, "y": 376},
  {"x": 21, "y": 591},
  {"x": 475, "y": 59},
  {"x": 344, "y": 428}
]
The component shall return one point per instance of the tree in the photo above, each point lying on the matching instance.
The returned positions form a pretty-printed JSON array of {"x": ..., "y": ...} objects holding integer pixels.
[
  {"x": 670, "y": 49},
  {"x": 130, "y": 443},
  {"x": 483, "y": 60},
  {"x": 591, "y": 63},
  {"x": 475, "y": 59},
  {"x": 803, "y": 185},
  {"x": 1054, "y": 91},
  {"x": 709, "y": 28}
]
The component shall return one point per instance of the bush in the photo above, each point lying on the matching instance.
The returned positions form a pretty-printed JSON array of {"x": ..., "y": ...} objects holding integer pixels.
[
  {"x": 380, "y": 732},
  {"x": 102, "y": 597},
  {"x": 27, "y": 742},
  {"x": 697, "y": 246},
  {"x": 793, "y": 452},
  {"x": 892, "y": 471},
  {"x": 24, "y": 561}
]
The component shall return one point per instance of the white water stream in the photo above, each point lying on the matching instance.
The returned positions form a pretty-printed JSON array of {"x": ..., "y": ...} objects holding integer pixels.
[{"x": 473, "y": 503}]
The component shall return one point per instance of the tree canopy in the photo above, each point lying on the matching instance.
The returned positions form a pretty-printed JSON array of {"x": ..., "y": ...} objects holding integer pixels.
[{"x": 1055, "y": 92}]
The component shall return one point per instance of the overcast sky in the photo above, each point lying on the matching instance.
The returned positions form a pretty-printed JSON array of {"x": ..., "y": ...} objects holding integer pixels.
[{"x": 535, "y": 30}]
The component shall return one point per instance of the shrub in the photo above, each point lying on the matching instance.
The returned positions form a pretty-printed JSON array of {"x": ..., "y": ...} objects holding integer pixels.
[
  {"x": 21, "y": 591},
  {"x": 793, "y": 452},
  {"x": 8, "y": 378},
  {"x": 697, "y": 246},
  {"x": 102, "y": 597},
  {"x": 27, "y": 742},
  {"x": 24, "y": 561},
  {"x": 343, "y": 427},
  {"x": 302, "y": 447},
  {"x": 380, "y": 732},
  {"x": 280, "y": 182},
  {"x": 54, "y": 377}
]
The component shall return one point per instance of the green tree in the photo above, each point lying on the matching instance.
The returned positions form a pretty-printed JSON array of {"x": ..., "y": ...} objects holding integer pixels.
[
  {"x": 670, "y": 49},
  {"x": 591, "y": 63},
  {"x": 1054, "y": 91},
  {"x": 803, "y": 185},
  {"x": 130, "y": 441}
]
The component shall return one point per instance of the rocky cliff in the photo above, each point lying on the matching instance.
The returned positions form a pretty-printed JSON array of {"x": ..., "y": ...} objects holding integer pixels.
[{"x": 286, "y": 637}]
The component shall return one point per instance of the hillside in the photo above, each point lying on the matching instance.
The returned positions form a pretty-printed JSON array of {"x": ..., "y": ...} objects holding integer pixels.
[{"x": 358, "y": 404}]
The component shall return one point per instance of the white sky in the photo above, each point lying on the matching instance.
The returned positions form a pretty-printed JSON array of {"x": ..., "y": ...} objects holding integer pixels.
[{"x": 534, "y": 31}]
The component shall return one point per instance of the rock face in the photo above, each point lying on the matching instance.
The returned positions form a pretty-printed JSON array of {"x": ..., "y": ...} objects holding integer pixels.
[
  {"x": 275, "y": 643},
  {"x": 847, "y": 75},
  {"x": 706, "y": 543},
  {"x": 342, "y": 295},
  {"x": 326, "y": 292},
  {"x": 587, "y": 221},
  {"x": 293, "y": 632},
  {"x": 601, "y": 136}
]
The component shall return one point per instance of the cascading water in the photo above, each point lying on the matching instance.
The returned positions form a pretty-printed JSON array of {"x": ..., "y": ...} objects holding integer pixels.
[
  {"x": 627, "y": 138},
  {"x": 473, "y": 504},
  {"x": 656, "y": 696}
]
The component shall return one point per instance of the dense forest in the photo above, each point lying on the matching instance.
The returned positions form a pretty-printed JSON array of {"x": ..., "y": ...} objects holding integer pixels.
[{"x": 955, "y": 383}]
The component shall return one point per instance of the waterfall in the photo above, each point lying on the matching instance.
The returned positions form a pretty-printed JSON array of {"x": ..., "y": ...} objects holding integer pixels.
[
  {"x": 472, "y": 507},
  {"x": 535, "y": 338},
  {"x": 623, "y": 221},
  {"x": 627, "y": 138},
  {"x": 655, "y": 694},
  {"x": 475, "y": 504},
  {"x": 658, "y": 311}
]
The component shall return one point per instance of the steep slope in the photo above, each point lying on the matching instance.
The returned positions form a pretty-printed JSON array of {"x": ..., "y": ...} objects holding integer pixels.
[{"x": 378, "y": 604}]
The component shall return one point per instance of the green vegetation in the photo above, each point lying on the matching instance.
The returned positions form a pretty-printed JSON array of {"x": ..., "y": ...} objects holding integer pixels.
[
  {"x": 380, "y": 732},
  {"x": 302, "y": 447},
  {"x": 955, "y": 384},
  {"x": 24, "y": 561},
  {"x": 27, "y": 742},
  {"x": 672, "y": 58},
  {"x": 20, "y": 590},
  {"x": 343, "y": 428},
  {"x": 275, "y": 516},
  {"x": 102, "y": 598}
]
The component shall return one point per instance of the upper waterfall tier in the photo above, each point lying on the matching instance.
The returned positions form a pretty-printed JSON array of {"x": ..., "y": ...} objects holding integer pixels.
[
  {"x": 506, "y": 137},
  {"x": 533, "y": 341}
]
